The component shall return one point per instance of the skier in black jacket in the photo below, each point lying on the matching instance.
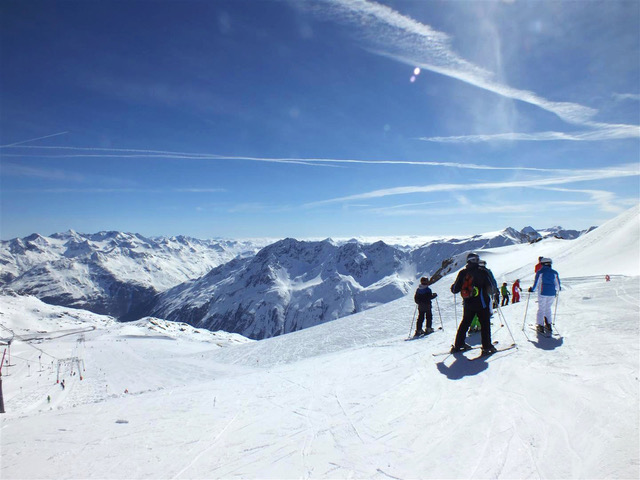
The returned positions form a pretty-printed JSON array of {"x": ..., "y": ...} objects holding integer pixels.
[
  {"x": 477, "y": 289},
  {"x": 423, "y": 298}
]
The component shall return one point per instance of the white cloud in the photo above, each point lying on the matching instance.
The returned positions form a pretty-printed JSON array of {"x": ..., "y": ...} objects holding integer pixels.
[
  {"x": 627, "y": 96},
  {"x": 410, "y": 42},
  {"x": 564, "y": 177}
]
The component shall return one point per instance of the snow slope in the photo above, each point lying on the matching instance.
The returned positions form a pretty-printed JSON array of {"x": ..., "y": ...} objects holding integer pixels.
[{"x": 350, "y": 398}]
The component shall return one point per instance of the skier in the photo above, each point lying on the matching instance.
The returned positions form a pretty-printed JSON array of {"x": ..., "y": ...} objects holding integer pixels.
[
  {"x": 505, "y": 294},
  {"x": 423, "y": 298},
  {"x": 475, "y": 286},
  {"x": 547, "y": 283},
  {"x": 515, "y": 290},
  {"x": 538, "y": 265}
]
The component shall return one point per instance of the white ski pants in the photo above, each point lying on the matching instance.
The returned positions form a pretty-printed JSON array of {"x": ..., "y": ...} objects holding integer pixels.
[{"x": 544, "y": 308}]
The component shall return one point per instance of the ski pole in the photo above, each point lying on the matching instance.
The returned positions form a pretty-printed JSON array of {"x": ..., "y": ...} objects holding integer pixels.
[
  {"x": 441, "y": 324},
  {"x": 504, "y": 320},
  {"x": 555, "y": 310},
  {"x": 455, "y": 309},
  {"x": 412, "y": 320},
  {"x": 524, "y": 320}
]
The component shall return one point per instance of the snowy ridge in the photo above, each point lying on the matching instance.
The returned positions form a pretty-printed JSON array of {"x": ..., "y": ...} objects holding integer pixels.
[
  {"x": 289, "y": 286},
  {"x": 111, "y": 273},
  {"x": 349, "y": 398}
]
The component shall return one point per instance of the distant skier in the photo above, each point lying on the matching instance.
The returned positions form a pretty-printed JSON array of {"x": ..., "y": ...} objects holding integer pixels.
[
  {"x": 515, "y": 291},
  {"x": 476, "y": 288},
  {"x": 423, "y": 298},
  {"x": 538, "y": 265},
  {"x": 547, "y": 283},
  {"x": 505, "y": 294}
]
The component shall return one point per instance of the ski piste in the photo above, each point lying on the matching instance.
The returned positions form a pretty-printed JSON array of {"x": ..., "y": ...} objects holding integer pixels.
[
  {"x": 498, "y": 350},
  {"x": 422, "y": 336}
]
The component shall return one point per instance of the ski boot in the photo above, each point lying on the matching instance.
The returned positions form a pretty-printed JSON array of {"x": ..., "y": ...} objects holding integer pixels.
[
  {"x": 489, "y": 351},
  {"x": 464, "y": 348},
  {"x": 540, "y": 328},
  {"x": 547, "y": 327},
  {"x": 429, "y": 330},
  {"x": 418, "y": 333}
]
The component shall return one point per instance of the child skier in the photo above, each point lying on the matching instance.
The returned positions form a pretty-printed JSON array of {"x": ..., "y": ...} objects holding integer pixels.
[
  {"x": 505, "y": 294},
  {"x": 423, "y": 298},
  {"x": 547, "y": 283}
]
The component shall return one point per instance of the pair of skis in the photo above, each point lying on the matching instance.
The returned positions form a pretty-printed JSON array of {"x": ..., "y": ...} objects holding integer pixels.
[
  {"x": 421, "y": 336},
  {"x": 483, "y": 355},
  {"x": 553, "y": 333}
]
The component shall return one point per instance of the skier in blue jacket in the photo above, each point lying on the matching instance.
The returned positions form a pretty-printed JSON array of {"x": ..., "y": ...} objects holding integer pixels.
[{"x": 547, "y": 283}]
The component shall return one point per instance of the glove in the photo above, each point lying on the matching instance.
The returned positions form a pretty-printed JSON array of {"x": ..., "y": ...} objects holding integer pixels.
[
  {"x": 530, "y": 289},
  {"x": 434, "y": 295},
  {"x": 452, "y": 285}
]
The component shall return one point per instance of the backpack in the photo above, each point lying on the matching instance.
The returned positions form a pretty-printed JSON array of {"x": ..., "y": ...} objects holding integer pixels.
[{"x": 468, "y": 290}]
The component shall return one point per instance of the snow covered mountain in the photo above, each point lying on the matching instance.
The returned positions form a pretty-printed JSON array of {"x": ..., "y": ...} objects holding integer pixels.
[
  {"x": 348, "y": 398},
  {"x": 557, "y": 232},
  {"x": 110, "y": 273},
  {"x": 288, "y": 286}
]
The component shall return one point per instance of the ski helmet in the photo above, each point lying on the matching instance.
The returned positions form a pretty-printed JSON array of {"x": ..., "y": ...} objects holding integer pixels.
[
  {"x": 424, "y": 281},
  {"x": 473, "y": 258},
  {"x": 546, "y": 261}
]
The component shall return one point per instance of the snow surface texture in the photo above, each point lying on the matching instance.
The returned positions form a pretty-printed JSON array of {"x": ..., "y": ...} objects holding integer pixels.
[{"x": 346, "y": 399}]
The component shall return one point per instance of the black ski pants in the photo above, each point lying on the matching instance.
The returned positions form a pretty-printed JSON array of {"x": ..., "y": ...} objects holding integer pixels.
[
  {"x": 484, "y": 316},
  {"x": 424, "y": 312}
]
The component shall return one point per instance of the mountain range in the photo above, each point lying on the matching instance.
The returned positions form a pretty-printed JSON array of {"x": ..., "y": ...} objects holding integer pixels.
[{"x": 258, "y": 288}]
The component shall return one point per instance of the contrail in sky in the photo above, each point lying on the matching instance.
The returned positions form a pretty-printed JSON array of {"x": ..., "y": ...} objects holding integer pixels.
[
  {"x": 323, "y": 162},
  {"x": 34, "y": 139}
]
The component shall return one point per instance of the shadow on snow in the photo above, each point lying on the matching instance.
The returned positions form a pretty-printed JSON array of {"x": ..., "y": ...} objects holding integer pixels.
[{"x": 461, "y": 367}]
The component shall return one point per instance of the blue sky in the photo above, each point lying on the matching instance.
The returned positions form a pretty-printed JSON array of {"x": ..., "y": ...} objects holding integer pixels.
[{"x": 314, "y": 119}]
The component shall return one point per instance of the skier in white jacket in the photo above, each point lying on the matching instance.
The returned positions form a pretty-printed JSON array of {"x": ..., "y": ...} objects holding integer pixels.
[{"x": 547, "y": 283}]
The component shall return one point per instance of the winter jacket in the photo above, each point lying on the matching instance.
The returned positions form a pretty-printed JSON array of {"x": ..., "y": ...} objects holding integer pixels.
[
  {"x": 547, "y": 281},
  {"x": 494, "y": 284},
  {"x": 482, "y": 280},
  {"x": 515, "y": 289},
  {"x": 423, "y": 297},
  {"x": 504, "y": 290}
]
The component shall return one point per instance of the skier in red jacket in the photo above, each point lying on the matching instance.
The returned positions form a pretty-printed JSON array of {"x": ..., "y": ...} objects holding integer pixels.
[
  {"x": 515, "y": 291},
  {"x": 538, "y": 265}
]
